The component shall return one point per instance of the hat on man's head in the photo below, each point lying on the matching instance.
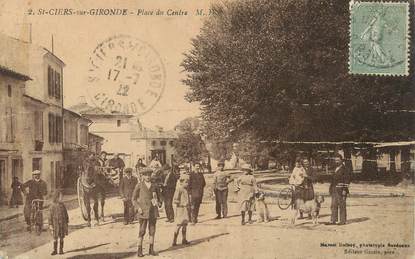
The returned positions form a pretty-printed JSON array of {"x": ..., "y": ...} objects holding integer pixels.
[
  {"x": 128, "y": 170},
  {"x": 36, "y": 172},
  {"x": 146, "y": 171}
]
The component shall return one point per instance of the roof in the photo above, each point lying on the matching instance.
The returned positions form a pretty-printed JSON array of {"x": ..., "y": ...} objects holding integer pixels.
[
  {"x": 153, "y": 134},
  {"x": 76, "y": 114},
  {"x": 395, "y": 144},
  {"x": 86, "y": 109},
  {"x": 95, "y": 135},
  {"x": 35, "y": 100},
  {"x": 10, "y": 72}
]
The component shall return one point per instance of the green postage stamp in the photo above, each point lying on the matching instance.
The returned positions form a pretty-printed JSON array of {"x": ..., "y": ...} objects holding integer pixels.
[{"x": 379, "y": 38}]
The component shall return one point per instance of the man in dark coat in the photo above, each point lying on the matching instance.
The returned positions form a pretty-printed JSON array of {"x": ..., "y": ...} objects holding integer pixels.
[
  {"x": 146, "y": 200},
  {"x": 37, "y": 190},
  {"x": 197, "y": 184},
  {"x": 339, "y": 190},
  {"x": 127, "y": 185},
  {"x": 169, "y": 186}
]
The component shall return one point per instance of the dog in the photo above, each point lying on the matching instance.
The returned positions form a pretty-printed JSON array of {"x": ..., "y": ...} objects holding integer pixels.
[
  {"x": 261, "y": 207},
  {"x": 312, "y": 207}
]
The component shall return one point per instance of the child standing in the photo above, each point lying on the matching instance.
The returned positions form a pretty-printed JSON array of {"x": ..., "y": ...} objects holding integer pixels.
[
  {"x": 17, "y": 198},
  {"x": 58, "y": 222},
  {"x": 181, "y": 199}
]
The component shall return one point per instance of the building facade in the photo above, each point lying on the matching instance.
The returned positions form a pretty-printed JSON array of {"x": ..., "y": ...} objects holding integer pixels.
[
  {"x": 125, "y": 135},
  {"x": 12, "y": 86}
]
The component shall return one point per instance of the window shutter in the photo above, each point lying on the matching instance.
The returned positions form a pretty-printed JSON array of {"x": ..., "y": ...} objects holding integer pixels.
[
  {"x": 58, "y": 86},
  {"x": 49, "y": 81},
  {"x": 9, "y": 125},
  {"x": 50, "y": 127}
]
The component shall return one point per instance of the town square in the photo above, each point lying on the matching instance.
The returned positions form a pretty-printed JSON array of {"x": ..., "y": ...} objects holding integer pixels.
[{"x": 207, "y": 129}]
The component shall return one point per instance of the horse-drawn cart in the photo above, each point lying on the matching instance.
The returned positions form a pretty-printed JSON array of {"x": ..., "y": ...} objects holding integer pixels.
[{"x": 88, "y": 188}]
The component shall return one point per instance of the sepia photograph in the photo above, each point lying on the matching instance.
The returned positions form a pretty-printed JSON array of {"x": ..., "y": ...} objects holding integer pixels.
[{"x": 223, "y": 129}]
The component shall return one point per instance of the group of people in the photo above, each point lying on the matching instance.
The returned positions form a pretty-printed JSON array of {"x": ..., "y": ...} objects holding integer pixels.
[
  {"x": 303, "y": 177},
  {"x": 143, "y": 195}
]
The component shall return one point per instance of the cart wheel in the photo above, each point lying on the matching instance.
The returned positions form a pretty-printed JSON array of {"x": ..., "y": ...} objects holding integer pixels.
[
  {"x": 285, "y": 198},
  {"x": 81, "y": 201}
]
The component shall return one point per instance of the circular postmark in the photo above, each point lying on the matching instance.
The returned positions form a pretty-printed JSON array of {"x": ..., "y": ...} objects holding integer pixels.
[{"x": 126, "y": 75}]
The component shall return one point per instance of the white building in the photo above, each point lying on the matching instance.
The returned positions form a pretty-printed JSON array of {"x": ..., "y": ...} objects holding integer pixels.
[{"x": 124, "y": 134}]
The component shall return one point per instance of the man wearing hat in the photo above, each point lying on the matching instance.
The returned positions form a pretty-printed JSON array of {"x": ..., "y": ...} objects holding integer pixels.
[
  {"x": 37, "y": 189},
  {"x": 221, "y": 181},
  {"x": 146, "y": 200},
  {"x": 197, "y": 184},
  {"x": 127, "y": 185}
]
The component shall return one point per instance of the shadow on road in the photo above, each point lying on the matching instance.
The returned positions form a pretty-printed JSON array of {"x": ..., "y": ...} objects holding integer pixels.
[
  {"x": 104, "y": 256},
  {"x": 232, "y": 216},
  {"x": 357, "y": 220},
  {"x": 75, "y": 227},
  {"x": 194, "y": 242},
  {"x": 86, "y": 248}
]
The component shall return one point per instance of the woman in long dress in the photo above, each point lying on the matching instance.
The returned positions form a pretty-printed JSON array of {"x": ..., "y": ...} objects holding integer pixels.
[{"x": 246, "y": 185}]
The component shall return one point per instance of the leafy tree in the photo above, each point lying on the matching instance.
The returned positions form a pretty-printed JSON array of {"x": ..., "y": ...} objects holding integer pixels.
[
  {"x": 189, "y": 146},
  {"x": 278, "y": 69}
]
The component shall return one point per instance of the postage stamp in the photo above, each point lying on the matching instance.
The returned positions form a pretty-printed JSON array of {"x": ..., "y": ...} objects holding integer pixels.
[
  {"x": 126, "y": 75},
  {"x": 379, "y": 38}
]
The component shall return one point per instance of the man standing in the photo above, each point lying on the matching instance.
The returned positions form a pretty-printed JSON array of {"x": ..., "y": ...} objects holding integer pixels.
[
  {"x": 196, "y": 185},
  {"x": 127, "y": 185},
  {"x": 37, "y": 189},
  {"x": 339, "y": 191},
  {"x": 169, "y": 186},
  {"x": 146, "y": 199},
  {"x": 220, "y": 185}
]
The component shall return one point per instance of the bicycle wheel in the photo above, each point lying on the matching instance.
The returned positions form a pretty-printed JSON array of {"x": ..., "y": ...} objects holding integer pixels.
[
  {"x": 81, "y": 201},
  {"x": 285, "y": 198}
]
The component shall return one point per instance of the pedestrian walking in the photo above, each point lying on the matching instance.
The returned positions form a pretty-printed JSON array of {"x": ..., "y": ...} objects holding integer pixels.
[
  {"x": 169, "y": 187},
  {"x": 146, "y": 200},
  {"x": 127, "y": 185},
  {"x": 182, "y": 201},
  {"x": 246, "y": 187},
  {"x": 197, "y": 184},
  {"x": 37, "y": 190},
  {"x": 339, "y": 190},
  {"x": 16, "y": 198},
  {"x": 221, "y": 181},
  {"x": 58, "y": 222}
]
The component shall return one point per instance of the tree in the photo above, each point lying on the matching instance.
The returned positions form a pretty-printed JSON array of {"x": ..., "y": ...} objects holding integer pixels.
[
  {"x": 189, "y": 146},
  {"x": 279, "y": 70}
]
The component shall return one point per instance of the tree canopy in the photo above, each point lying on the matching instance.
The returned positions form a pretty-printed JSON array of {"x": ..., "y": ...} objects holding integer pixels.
[{"x": 278, "y": 70}]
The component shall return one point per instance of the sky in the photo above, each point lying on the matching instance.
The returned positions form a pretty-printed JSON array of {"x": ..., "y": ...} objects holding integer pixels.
[{"x": 75, "y": 37}]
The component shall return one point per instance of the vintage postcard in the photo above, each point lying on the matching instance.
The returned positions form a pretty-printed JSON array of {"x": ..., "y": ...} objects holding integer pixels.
[{"x": 231, "y": 129}]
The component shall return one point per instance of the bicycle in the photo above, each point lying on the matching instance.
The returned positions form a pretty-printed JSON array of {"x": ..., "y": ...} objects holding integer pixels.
[
  {"x": 36, "y": 216},
  {"x": 286, "y": 197}
]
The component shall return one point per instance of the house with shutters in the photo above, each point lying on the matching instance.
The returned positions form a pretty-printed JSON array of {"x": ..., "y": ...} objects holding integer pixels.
[{"x": 36, "y": 109}]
